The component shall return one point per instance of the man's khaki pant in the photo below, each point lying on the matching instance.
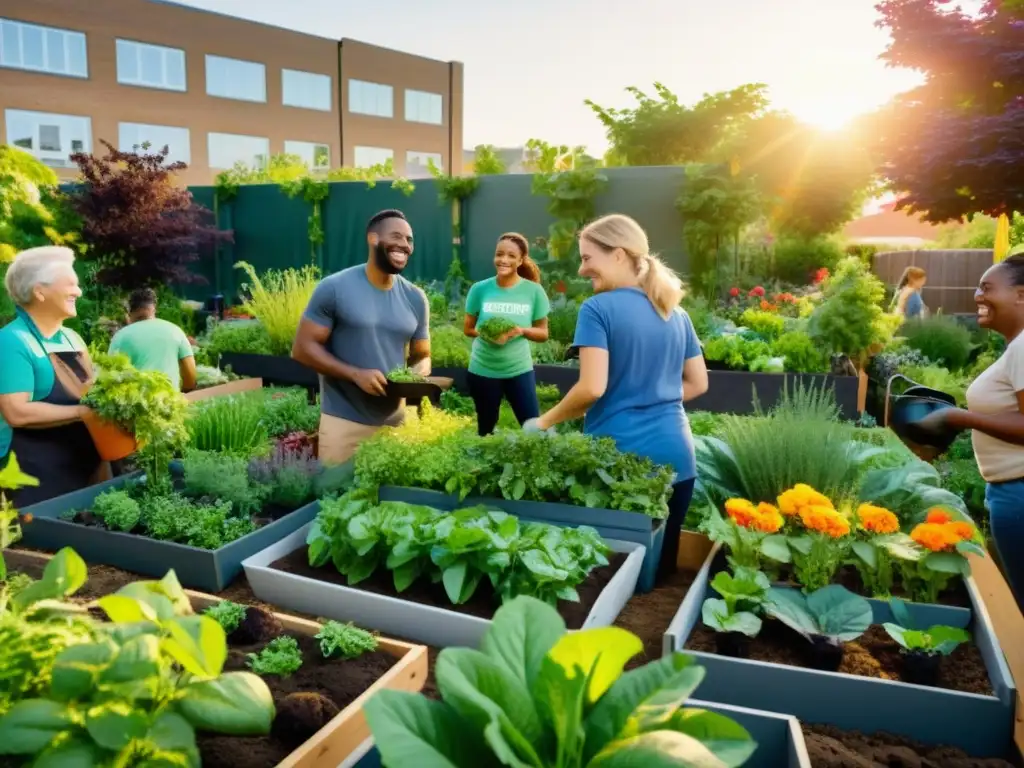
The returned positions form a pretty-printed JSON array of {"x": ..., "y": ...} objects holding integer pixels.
[{"x": 339, "y": 438}]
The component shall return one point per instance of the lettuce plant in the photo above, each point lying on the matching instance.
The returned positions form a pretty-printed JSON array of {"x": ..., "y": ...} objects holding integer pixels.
[
  {"x": 137, "y": 691},
  {"x": 827, "y": 618},
  {"x": 733, "y": 615},
  {"x": 345, "y": 640},
  {"x": 535, "y": 695},
  {"x": 281, "y": 656}
]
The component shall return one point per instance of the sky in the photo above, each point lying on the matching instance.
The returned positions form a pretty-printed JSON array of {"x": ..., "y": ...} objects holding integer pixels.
[{"x": 529, "y": 64}]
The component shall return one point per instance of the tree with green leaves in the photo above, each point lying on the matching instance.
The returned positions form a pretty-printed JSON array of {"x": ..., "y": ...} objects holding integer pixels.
[{"x": 660, "y": 130}]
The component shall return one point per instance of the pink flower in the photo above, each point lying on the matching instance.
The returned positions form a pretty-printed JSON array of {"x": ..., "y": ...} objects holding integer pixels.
[
  {"x": 734, "y": 292},
  {"x": 757, "y": 291}
]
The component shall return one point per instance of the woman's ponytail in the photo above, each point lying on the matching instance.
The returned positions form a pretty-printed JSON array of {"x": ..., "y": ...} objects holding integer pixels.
[
  {"x": 662, "y": 286},
  {"x": 529, "y": 270}
]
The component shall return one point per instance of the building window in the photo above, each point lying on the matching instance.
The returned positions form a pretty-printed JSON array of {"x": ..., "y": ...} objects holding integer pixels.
[
  {"x": 132, "y": 135},
  {"x": 423, "y": 107},
  {"x": 51, "y": 138},
  {"x": 417, "y": 164},
  {"x": 368, "y": 157},
  {"x": 315, "y": 156},
  {"x": 305, "y": 89},
  {"x": 151, "y": 66},
  {"x": 236, "y": 79},
  {"x": 371, "y": 98},
  {"x": 227, "y": 149},
  {"x": 42, "y": 49}
]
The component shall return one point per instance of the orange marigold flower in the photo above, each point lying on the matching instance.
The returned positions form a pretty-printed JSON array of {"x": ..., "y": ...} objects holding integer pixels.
[
  {"x": 965, "y": 531},
  {"x": 936, "y": 537},
  {"x": 938, "y": 515},
  {"x": 768, "y": 518},
  {"x": 742, "y": 511},
  {"x": 877, "y": 519},
  {"x": 824, "y": 520}
]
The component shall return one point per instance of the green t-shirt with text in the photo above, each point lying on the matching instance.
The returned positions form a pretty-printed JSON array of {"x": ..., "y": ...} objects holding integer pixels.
[
  {"x": 153, "y": 345},
  {"x": 524, "y": 304}
]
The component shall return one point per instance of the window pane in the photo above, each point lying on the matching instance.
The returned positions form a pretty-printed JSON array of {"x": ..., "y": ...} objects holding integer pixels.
[
  {"x": 56, "y": 61},
  {"x": 151, "y": 62},
  {"x": 20, "y": 130},
  {"x": 32, "y": 47},
  {"x": 235, "y": 79},
  {"x": 49, "y": 138},
  {"x": 78, "y": 63},
  {"x": 127, "y": 62},
  {"x": 226, "y": 149},
  {"x": 306, "y": 89},
  {"x": 366, "y": 157},
  {"x": 175, "y": 63},
  {"x": 132, "y": 135},
  {"x": 10, "y": 43}
]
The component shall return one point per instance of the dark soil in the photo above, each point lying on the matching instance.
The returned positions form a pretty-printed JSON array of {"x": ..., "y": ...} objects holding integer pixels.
[
  {"x": 956, "y": 594},
  {"x": 483, "y": 603},
  {"x": 830, "y": 747},
  {"x": 649, "y": 615},
  {"x": 338, "y": 682},
  {"x": 873, "y": 654}
]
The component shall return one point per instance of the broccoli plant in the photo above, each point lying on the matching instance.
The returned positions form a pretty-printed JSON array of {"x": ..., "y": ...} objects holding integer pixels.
[{"x": 345, "y": 640}]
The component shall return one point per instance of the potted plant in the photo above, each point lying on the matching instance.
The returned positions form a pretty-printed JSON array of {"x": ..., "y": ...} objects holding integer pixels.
[{"x": 132, "y": 408}]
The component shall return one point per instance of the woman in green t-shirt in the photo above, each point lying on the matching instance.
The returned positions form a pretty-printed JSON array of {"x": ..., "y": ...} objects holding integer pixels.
[{"x": 503, "y": 314}]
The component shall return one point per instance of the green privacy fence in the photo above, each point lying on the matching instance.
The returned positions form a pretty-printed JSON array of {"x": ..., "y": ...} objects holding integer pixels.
[{"x": 271, "y": 229}]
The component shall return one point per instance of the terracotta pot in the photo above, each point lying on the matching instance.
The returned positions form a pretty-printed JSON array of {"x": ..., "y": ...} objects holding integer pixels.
[{"x": 112, "y": 442}]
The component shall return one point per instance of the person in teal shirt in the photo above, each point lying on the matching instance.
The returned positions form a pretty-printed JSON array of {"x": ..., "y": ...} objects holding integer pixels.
[
  {"x": 504, "y": 368},
  {"x": 153, "y": 344},
  {"x": 44, "y": 372}
]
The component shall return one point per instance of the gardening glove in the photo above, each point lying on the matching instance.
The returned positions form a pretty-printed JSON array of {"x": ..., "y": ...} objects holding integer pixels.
[{"x": 533, "y": 426}]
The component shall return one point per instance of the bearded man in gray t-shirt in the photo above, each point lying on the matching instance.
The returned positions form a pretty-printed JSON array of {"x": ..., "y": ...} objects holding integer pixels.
[{"x": 358, "y": 326}]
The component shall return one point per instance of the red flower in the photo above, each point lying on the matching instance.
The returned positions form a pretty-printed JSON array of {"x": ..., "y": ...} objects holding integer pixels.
[
  {"x": 757, "y": 291},
  {"x": 785, "y": 298},
  {"x": 821, "y": 275},
  {"x": 734, "y": 291},
  {"x": 560, "y": 286}
]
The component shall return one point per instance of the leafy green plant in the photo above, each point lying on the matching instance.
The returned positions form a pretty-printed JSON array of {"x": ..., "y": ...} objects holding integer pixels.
[
  {"x": 222, "y": 478},
  {"x": 850, "y": 320},
  {"x": 562, "y": 322},
  {"x": 535, "y": 695},
  {"x": 228, "y": 614},
  {"x": 11, "y": 479},
  {"x": 741, "y": 595},
  {"x": 346, "y": 641},
  {"x": 241, "y": 337},
  {"x": 405, "y": 375},
  {"x": 827, "y": 617},
  {"x": 493, "y": 328},
  {"x": 736, "y": 351},
  {"x": 118, "y": 510},
  {"x": 277, "y": 299},
  {"x": 131, "y": 691},
  {"x": 941, "y": 339},
  {"x": 937, "y": 640},
  {"x": 449, "y": 347},
  {"x": 290, "y": 478},
  {"x": 281, "y": 656},
  {"x": 799, "y": 353},
  {"x": 144, "y": 403},
  {"x": 767, "y": 325},
  {"x": 287, "y": 410}
]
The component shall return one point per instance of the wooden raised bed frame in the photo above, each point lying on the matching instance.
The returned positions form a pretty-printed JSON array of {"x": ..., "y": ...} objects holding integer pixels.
[{"x": 220, "y": 390}]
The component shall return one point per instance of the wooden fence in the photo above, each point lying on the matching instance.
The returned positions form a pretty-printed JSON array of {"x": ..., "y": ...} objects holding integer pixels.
[{"x": 952, "y": 275}]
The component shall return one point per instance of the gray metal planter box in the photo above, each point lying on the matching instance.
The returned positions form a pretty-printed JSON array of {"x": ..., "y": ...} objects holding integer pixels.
[
  {"x": 611, "y": 524},
  {"x": 980, "y": 725},
  {"x": 203, "y": 569},
  {"x": 404, "y": 618},
  {"x": 780, "y": 742},
  {"x": 922, "y": 614}
]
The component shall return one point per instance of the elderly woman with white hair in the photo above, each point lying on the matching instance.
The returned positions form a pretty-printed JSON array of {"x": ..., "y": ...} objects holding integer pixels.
[{"x": 44, "y": 372}]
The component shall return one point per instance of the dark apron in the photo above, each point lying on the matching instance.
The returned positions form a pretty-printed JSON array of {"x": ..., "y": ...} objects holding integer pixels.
[{"x": 64, "y": 458}]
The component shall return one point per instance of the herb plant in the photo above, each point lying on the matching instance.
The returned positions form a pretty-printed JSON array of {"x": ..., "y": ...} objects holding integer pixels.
[
  {"x": 233, "y": 425},
  {"x": 131, "y": 691},
  {"x": 554, "y": 699},
  {"x": 118, "y": 510},
  {"x": 281, "y": 656},
  {"x": 144, "y": 403},
  {"x": 222, "y": 478},
  {"x": 228, "y": 614},
  {"x": 289, "y": 476},
  {"x": 345, "y": 640},
  {"x": 493, "y": 328},
  {"x": 11, "y": 479},
  {"x": 405, "y": 376}
]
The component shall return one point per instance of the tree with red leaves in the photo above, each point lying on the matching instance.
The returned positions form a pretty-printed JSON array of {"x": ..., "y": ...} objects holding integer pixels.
[
  {"x": 141, "y": 229},
  {"x": 955, "y": 145}
]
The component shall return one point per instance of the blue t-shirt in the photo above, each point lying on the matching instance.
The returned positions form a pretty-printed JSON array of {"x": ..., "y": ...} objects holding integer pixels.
[
  {"x": 642, "y": 408},
  {"x": 914, "y": 306}
]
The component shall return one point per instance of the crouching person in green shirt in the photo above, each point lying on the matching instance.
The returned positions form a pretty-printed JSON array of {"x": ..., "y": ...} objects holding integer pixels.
[
  {"x": 153, "y": 344},
  {"x": 504, "y": 314}
]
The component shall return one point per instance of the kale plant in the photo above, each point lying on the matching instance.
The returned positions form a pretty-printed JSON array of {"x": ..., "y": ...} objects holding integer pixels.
[
  {"x": 281, "y": 656},
  {"x": 228, "y": 614},
  {"x": 345, "y": 640}
]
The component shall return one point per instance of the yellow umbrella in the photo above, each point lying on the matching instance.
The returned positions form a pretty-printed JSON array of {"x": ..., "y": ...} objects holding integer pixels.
[{"x": 1002, "y": 245}]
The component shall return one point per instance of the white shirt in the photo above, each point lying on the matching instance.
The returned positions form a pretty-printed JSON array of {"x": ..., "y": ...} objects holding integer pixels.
[{"x": 994, "y": 392}]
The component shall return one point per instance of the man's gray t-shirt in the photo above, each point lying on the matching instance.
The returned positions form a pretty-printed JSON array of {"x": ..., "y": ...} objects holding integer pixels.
[{"x": 370, "y": 329}]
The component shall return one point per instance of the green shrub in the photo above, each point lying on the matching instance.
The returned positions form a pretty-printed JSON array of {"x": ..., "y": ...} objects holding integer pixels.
[
  {"x": 562, "y": 323},
  {"x": 851, "y": 320},
  {"x": 800, "y": 353},
  {"x": 449, "y": 347},
  {"x": 941, "y": 339},
  {"x": 767, "y": 325},
  {"x": 735, "y": 351},
  {"x": 937, "y": 377},
  {"x": 796, "y": 260},
  {"x": 243, "y": 337}
]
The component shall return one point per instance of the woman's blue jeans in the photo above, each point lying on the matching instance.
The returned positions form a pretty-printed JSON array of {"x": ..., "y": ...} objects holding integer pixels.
[{"x": 1005, "y": 502}]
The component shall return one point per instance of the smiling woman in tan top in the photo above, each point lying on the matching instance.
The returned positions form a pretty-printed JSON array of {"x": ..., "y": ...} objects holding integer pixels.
[{"x": 995, "y": 412}]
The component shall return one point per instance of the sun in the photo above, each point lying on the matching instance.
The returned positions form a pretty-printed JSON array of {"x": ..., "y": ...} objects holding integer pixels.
[{"x": 828, "y": 117}]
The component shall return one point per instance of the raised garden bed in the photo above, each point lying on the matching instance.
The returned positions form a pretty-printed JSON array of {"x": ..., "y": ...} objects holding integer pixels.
[
  {"x": 780, "y": 742},
  {"x": 973, "y": 712},
  {"x": 728, "y": 391},
  {"x": 273, "y": 369},
  {"x": 220, "y": 390},
  {"x": 281, "y": 575},
  {"x": 611, "y": 524},
  {"x": 205, "y": 569},
  {"x": 349, "y": 684}
]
